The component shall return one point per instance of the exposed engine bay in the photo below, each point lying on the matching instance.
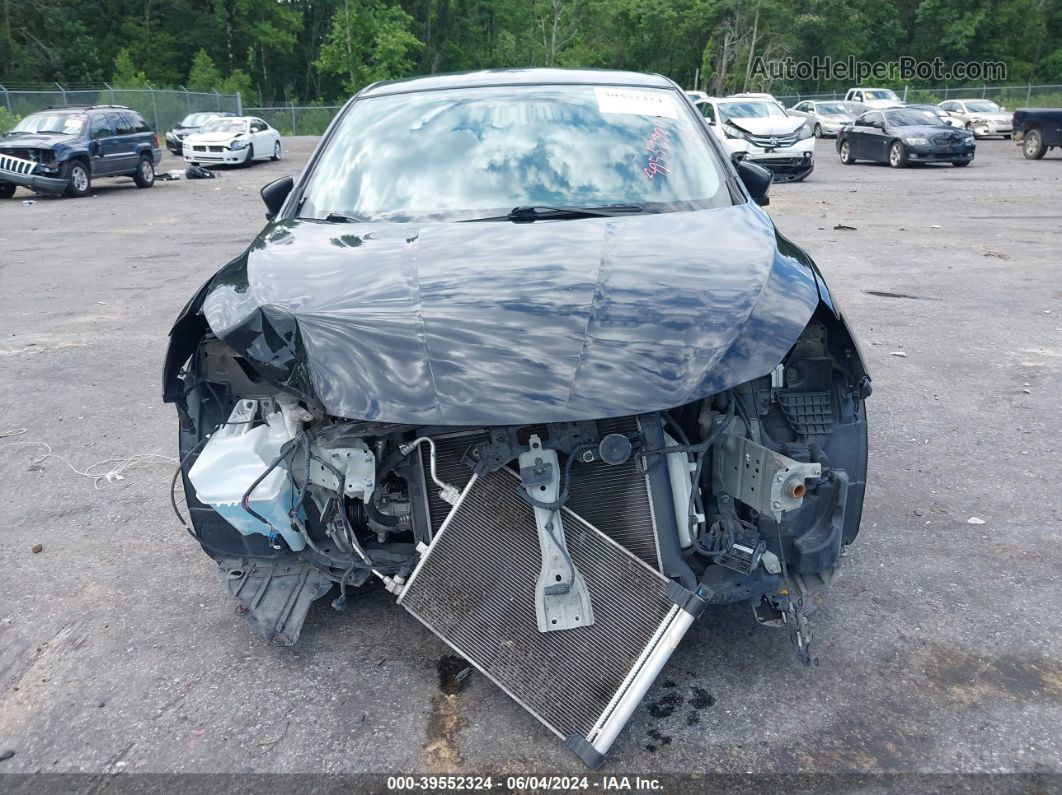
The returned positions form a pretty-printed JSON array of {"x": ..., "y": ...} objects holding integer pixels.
[{"x": 565, "y": 560}]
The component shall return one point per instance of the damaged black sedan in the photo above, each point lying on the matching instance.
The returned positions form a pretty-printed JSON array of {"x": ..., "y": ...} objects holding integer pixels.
[{"x": 521, "y": 347}]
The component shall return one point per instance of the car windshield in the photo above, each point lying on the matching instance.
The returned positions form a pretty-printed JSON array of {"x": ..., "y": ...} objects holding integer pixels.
[
  {"x": 64, "y": 123},
  {"x": 197, "y": 119},
  {"x": 833, "y": 110},
  {"x": 881, "y": 93},
  {"x": 750, "y": 109},
  {"x": 911, "y": 118},
  {"x": 982, "y": 106},
  {"x": 224, "y": 126},
  {"x": 468, "y": 153}
]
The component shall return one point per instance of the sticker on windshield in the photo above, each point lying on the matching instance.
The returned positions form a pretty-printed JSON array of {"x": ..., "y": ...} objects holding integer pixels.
[
  {"x": 658, "y": 146},
  {"x": 635, "y": 103}
]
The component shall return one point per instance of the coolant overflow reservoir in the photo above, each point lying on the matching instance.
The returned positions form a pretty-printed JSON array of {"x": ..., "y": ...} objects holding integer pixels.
[{"x": 236, "y": 455}]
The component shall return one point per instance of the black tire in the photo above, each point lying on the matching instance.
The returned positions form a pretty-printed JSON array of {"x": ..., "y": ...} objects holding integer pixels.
[
  {"x": 1033, "y": 146},
  {"x": 961, "y": 163},
  {"x": 144, "y": 176},
  {"x": 249, "y": 160},
  {"x": 845, "y": 152},
  {"x": 818, "y": 130},
  {"x": 79, "y": 183},
  {"x": 276, "y": 152},
  {"x": 1006, "y": 137},
  {"x": 897, "y": 155},
  {"x": 7, "y": 190}
]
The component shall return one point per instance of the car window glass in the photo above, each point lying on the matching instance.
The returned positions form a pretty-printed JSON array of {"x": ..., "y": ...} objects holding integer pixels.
[
  {"x": 139, "y": 125},
  {"x": 100, "y": 127},
  {"x": 64, "y": 123},
  {"x": 875, "y": 119},
  {"x": 466, "y": 153},
  {"x": 122, "y": 124},
  {"x": 912, "y": 117},
  {"x": 707, "y": 111}
]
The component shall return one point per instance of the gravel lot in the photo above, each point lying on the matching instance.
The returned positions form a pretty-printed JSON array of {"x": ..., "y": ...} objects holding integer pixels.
[{"x": 939, "y": 644}]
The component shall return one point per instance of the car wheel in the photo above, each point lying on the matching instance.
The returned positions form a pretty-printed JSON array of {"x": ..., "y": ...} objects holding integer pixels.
[
  {"x": 1006, "y": 137},
  {"x": 1033, "y": 146},
  {"x": 250, "y": 156},
  {"x": 7, "y": 190},
  {"x": 77, "y": 175},
  {"x": 961, "y": 163},
  {"x": 276, "y": 151},
  {"x": 897, "y": 155},
  {"x": 144, "y": 177},
  {"x": 818, "y": 130},
  {"x": 846, "y": 154}
]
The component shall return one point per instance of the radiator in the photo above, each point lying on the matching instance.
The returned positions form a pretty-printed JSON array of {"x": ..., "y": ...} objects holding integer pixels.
[
  {"x": 475, "y": 588},
  {"x": 614, "y": 499}
]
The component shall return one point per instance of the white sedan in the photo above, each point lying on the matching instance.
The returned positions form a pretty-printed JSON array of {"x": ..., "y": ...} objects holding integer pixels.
[{"x": 235, "y": 139}]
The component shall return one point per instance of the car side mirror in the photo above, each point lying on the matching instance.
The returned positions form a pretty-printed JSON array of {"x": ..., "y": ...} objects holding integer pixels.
[
  {"x": 757, "y": 181},
  {"x": 274, "y": 194}
]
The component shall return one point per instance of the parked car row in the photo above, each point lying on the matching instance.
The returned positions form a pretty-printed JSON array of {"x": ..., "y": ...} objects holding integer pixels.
[
  {"x": 871, "y": 124},
  {"x": 61, "y": 151}
]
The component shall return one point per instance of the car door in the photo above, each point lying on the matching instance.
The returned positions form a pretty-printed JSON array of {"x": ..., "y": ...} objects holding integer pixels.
[
  {"x": 875, "y": 139},
  {"x": 100, "y": 133},
  {"x": 122, "y": 152},
  {"x": 143, "y": 138},
  {"x": 271, "y": 136},
  {"x": 856, "y": 135},
  {"x": 263, "y": 141}
]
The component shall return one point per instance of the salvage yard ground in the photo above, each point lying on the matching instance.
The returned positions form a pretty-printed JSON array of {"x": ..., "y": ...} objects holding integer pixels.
[{"x": 939, "y": 643}]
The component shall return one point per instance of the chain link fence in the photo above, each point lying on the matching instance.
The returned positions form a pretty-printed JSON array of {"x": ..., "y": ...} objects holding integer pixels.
[
  {"x": 1008, "y": 96},
  {"x": 297, "y": 119},
  {"x": 161, "y": 107}
]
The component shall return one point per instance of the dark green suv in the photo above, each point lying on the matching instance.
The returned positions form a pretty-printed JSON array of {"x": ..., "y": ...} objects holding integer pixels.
[{"x": 61, "y": 150}]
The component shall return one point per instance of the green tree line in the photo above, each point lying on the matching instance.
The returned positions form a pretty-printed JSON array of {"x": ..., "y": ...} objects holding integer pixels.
[{"x": 276, "y": 51}]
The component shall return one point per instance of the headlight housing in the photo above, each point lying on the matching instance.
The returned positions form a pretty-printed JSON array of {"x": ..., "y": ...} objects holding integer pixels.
[
  {"x": 805, "y": 133},
  {"x": 732, "y": 132},
  {"x": 238, "y": 144},
  {"x": 917, "y": 141}
]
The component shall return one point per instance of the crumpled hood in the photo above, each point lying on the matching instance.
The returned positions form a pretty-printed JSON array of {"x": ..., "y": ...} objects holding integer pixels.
[
  {"x": 35, "y": 140},
  {"x": 497, "y": 323},
  {"x": 769, "y": 126},
  {"x": 210, "y": 137}
]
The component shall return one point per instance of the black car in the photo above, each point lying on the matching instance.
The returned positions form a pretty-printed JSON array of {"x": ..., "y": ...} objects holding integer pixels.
[
  {"x": 61, "y": 150},
  {"x": 521, "y": 347},
  {"x": 1036, "y": 130},
  {"x": 902, "y": 136},
  {"x": 189, "y": 124}
]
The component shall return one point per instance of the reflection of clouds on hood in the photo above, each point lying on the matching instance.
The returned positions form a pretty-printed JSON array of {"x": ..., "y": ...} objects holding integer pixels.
[
  {"x": 500, "y": 147},
  {"x": 497, "y": 323}
]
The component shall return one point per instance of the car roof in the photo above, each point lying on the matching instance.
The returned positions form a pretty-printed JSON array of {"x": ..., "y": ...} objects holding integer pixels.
[{"x": 514, "y": 77}]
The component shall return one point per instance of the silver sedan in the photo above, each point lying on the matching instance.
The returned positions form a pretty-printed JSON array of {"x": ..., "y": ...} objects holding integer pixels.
[{"x": 825, "y": 118}]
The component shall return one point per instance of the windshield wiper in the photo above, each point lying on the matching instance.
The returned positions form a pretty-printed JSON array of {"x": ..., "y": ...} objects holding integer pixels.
[
  {"x": 339, "y": 218},
  {"x": 526, "y": 215}
]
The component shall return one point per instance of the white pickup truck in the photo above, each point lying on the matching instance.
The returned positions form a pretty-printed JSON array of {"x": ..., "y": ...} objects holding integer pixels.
[{"x": 873, "y": 97}]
